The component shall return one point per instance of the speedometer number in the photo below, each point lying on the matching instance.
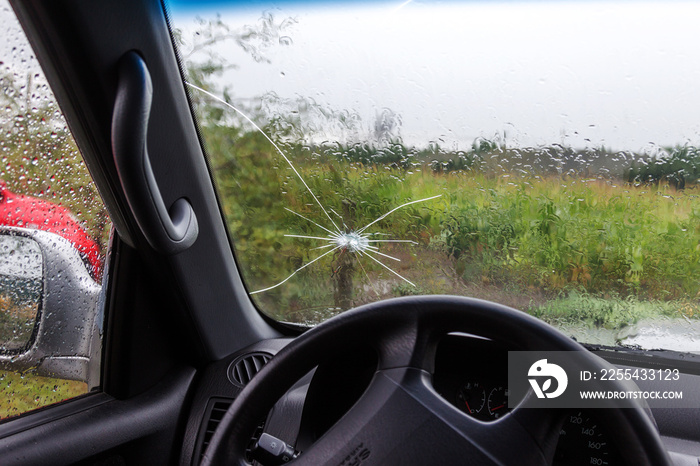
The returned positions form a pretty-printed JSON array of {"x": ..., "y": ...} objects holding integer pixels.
[{"x": 584, "y": 441}]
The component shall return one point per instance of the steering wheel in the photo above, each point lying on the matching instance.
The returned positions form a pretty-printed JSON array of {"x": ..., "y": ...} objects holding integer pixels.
[{"x": 400, "y": 419}]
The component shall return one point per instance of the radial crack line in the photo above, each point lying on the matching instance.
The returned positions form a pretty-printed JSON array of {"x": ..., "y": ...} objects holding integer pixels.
[
  {"x": 394, "y": 210},
  {"x": 391, "y": 241},
  {"x": 335, "y": 213},
  {"x": 323, "y": 247},
  {"x": 311, "y": 221},
  {"x": 219, "y": 99},
  {"x": 395, "y": 273},
  {"x": 340, "y": 217},
  {"x": 309, "y": 237},
  {"x": 297, "y": 270},
  {"x": 387, "y": 256}
]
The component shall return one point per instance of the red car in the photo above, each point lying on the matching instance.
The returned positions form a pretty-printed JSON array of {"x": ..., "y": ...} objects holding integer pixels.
[{"x": 30, "y": 212}]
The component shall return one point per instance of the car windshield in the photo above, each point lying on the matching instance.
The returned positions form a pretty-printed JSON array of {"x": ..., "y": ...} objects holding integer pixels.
[{"x": 543, "y": 155}]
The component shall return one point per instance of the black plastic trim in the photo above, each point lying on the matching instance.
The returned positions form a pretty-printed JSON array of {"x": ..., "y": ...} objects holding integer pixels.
[
  {"x": 30, "y": 419},
  {"x": 168, "y": 231},
  {"x": 82, "y": 434},
  {"x": 688, "y": 363},
  {"x": 216, "y": 408}
]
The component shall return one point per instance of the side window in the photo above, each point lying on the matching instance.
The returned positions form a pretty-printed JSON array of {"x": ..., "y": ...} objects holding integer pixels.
[{"x": 53, "y": 235}]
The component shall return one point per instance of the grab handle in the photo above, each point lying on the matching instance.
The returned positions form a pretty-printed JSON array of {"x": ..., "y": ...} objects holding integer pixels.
[{"x": 167, "y": 231}]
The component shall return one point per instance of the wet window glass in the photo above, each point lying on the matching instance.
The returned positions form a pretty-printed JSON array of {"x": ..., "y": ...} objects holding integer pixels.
[
  {"x": 53, "y": 242},
  {"x": 543, "y": 155}
]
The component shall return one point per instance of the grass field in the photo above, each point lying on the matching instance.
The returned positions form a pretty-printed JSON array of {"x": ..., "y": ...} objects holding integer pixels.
[
  {"x": 20, "y": 393},
  {"x": 537, "y": 242}
]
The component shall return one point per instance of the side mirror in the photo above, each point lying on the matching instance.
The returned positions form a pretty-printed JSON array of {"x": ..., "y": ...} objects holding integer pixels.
[{"x": 50, "y": 317}]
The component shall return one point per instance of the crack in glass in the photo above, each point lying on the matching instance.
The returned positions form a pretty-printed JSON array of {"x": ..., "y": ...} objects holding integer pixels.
[{"x": 346, "y": 240}]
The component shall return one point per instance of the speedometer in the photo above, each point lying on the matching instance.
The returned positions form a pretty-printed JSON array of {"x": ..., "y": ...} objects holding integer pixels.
[{"x": 584, "y": 441}]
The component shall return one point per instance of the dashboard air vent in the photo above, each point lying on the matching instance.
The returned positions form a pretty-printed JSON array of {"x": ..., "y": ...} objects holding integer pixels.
[
  {"x": 242, "y": 370},
  {"x": 216, "y": 408}
]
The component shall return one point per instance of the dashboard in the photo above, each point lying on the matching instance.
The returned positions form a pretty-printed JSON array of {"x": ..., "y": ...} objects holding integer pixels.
[{"x": 470, "y": 374}]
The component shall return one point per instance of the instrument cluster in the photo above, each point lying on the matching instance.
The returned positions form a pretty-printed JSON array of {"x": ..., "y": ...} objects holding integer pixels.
[{"x": 472, "y": 374}]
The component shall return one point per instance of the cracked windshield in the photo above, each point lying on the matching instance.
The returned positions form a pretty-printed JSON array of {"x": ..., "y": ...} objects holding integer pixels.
[{"x": 543, "y": 155}]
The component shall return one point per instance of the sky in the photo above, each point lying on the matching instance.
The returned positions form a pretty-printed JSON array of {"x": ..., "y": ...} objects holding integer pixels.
[{"x": 622, "y": 75}]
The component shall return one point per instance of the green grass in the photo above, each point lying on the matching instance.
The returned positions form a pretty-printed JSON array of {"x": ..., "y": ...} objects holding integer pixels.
[
  {"x": 20, "y": 393},
  {"x": 612, "y": 312},
  {"x": 556, "y": 238},
  {"x": 594, "y": 236}
]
